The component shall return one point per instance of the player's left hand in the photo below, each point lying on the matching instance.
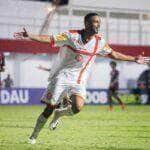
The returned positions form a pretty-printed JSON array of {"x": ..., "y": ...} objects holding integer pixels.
[
  {"x": 21, "y": 35},
  {"x": 142, "y": 60}
]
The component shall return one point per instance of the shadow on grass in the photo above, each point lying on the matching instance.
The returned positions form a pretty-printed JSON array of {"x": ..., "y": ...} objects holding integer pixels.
[
  {"x": 115, "y": 148},
  {"x": 16, "y": 126},
  {"x": 121, "y": 136}
]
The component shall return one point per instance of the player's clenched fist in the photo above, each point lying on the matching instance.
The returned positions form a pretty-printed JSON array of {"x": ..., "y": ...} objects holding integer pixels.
[{"x": 21, "y": 35}]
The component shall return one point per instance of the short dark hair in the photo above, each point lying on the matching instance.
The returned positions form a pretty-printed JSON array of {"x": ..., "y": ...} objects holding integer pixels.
[
  {"x": 89, "y": 16},
  {"x": 113, "y": 63}
]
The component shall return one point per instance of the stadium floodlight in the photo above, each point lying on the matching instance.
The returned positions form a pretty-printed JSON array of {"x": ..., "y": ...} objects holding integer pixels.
[
  {"x": 55, "y": 2},
  {"x": 51, "y": 11}
]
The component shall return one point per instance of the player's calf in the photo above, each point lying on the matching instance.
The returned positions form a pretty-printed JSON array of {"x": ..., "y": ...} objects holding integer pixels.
[
  {"x": 48, "y": 111},
  {"x": 42, "y": 119}
]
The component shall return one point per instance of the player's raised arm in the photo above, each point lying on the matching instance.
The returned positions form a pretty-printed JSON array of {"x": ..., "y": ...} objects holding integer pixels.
[
  {"x": 119, "y": 56},
  {"x": 57, "y": 40},
  {"x": 26, "y": 35}
]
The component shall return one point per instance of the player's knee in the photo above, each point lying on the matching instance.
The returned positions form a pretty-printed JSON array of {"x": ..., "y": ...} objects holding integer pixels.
[
  {"x": 47, "y": 112},
  {"x": 77, "y": 104},
  {"x": 75, "y": 109}
]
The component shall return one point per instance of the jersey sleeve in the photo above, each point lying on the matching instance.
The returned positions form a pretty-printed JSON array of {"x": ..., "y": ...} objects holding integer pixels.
[
  {"x": 60, "y": 39},
  {"x": 104, "y": 48}
]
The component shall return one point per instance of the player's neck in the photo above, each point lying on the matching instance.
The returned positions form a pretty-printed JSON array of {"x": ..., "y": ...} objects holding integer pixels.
[{"x": 86, "y": 36}]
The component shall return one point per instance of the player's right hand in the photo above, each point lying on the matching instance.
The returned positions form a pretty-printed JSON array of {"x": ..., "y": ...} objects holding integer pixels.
[
  {"x": 21, "y": 35},
  {"x": 142, "y": 60}
]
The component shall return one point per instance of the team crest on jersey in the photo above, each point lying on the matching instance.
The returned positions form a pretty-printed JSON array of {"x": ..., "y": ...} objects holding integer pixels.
[{"x": 79, "y": 58}]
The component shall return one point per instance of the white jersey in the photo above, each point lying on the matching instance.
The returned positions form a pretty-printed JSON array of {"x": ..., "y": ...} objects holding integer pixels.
[
  {"x": 76, "y": 58},
  {"x": 71, "y": 69}
]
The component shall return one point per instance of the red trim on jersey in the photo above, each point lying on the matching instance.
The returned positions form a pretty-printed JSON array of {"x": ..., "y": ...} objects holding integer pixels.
[
  {"x": 94, "y": 52},
  {"x": 52, "y": 42},
  {"x": 83, "y": 52},
  {"x": 79, "y": 51}
]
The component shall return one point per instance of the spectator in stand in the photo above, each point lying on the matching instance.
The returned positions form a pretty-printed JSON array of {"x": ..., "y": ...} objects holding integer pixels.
[
  {"x": 2, "y": 62},
  {"x": 144, "y": 85},
  {"x": 2, "y": 65},
  {"x": 8, "y": 82}
]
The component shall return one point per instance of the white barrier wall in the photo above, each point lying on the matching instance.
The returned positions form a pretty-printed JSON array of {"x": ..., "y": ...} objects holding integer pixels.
[
  {"x": 25, "y": 73},
  {"x": 100, "y": 76},
  {"x": 14, "y": 14},
  {"x": 23, "y": 69}
]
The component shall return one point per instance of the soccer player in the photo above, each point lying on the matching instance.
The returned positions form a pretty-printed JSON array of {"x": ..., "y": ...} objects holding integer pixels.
[
  {"x": 8, "y": 82},
  {"x": 68, "y": 76},
  {"x": 2, "y": 66},
  {"x": 2, "y": 62},
  {"x": 114, "y": 85}
]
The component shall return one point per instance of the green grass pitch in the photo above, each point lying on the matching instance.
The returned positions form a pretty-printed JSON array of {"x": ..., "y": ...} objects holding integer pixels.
[{"x": 95, "y": 128}]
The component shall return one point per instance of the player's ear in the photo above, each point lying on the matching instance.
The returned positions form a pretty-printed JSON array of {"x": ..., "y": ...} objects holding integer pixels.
[{"x": 86, "y": 24}]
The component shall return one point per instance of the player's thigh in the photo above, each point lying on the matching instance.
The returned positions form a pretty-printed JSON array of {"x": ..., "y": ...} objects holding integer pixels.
[{"x": 52, "y": 93}]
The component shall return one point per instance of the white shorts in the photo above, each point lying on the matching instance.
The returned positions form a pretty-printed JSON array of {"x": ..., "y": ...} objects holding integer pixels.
[{"x": 59, "y": 84}]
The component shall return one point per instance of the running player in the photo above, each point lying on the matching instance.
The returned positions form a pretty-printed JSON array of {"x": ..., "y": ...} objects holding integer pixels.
[
  {"x": 2, "y": 66},
  {"x": 2, "y": 62},
  {"x": 68, "y": 76},
  {"x": 114, "y": 85}
]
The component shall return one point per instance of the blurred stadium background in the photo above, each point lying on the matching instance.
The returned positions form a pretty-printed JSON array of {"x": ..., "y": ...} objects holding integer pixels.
[{"x": 126, "y": 26}]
